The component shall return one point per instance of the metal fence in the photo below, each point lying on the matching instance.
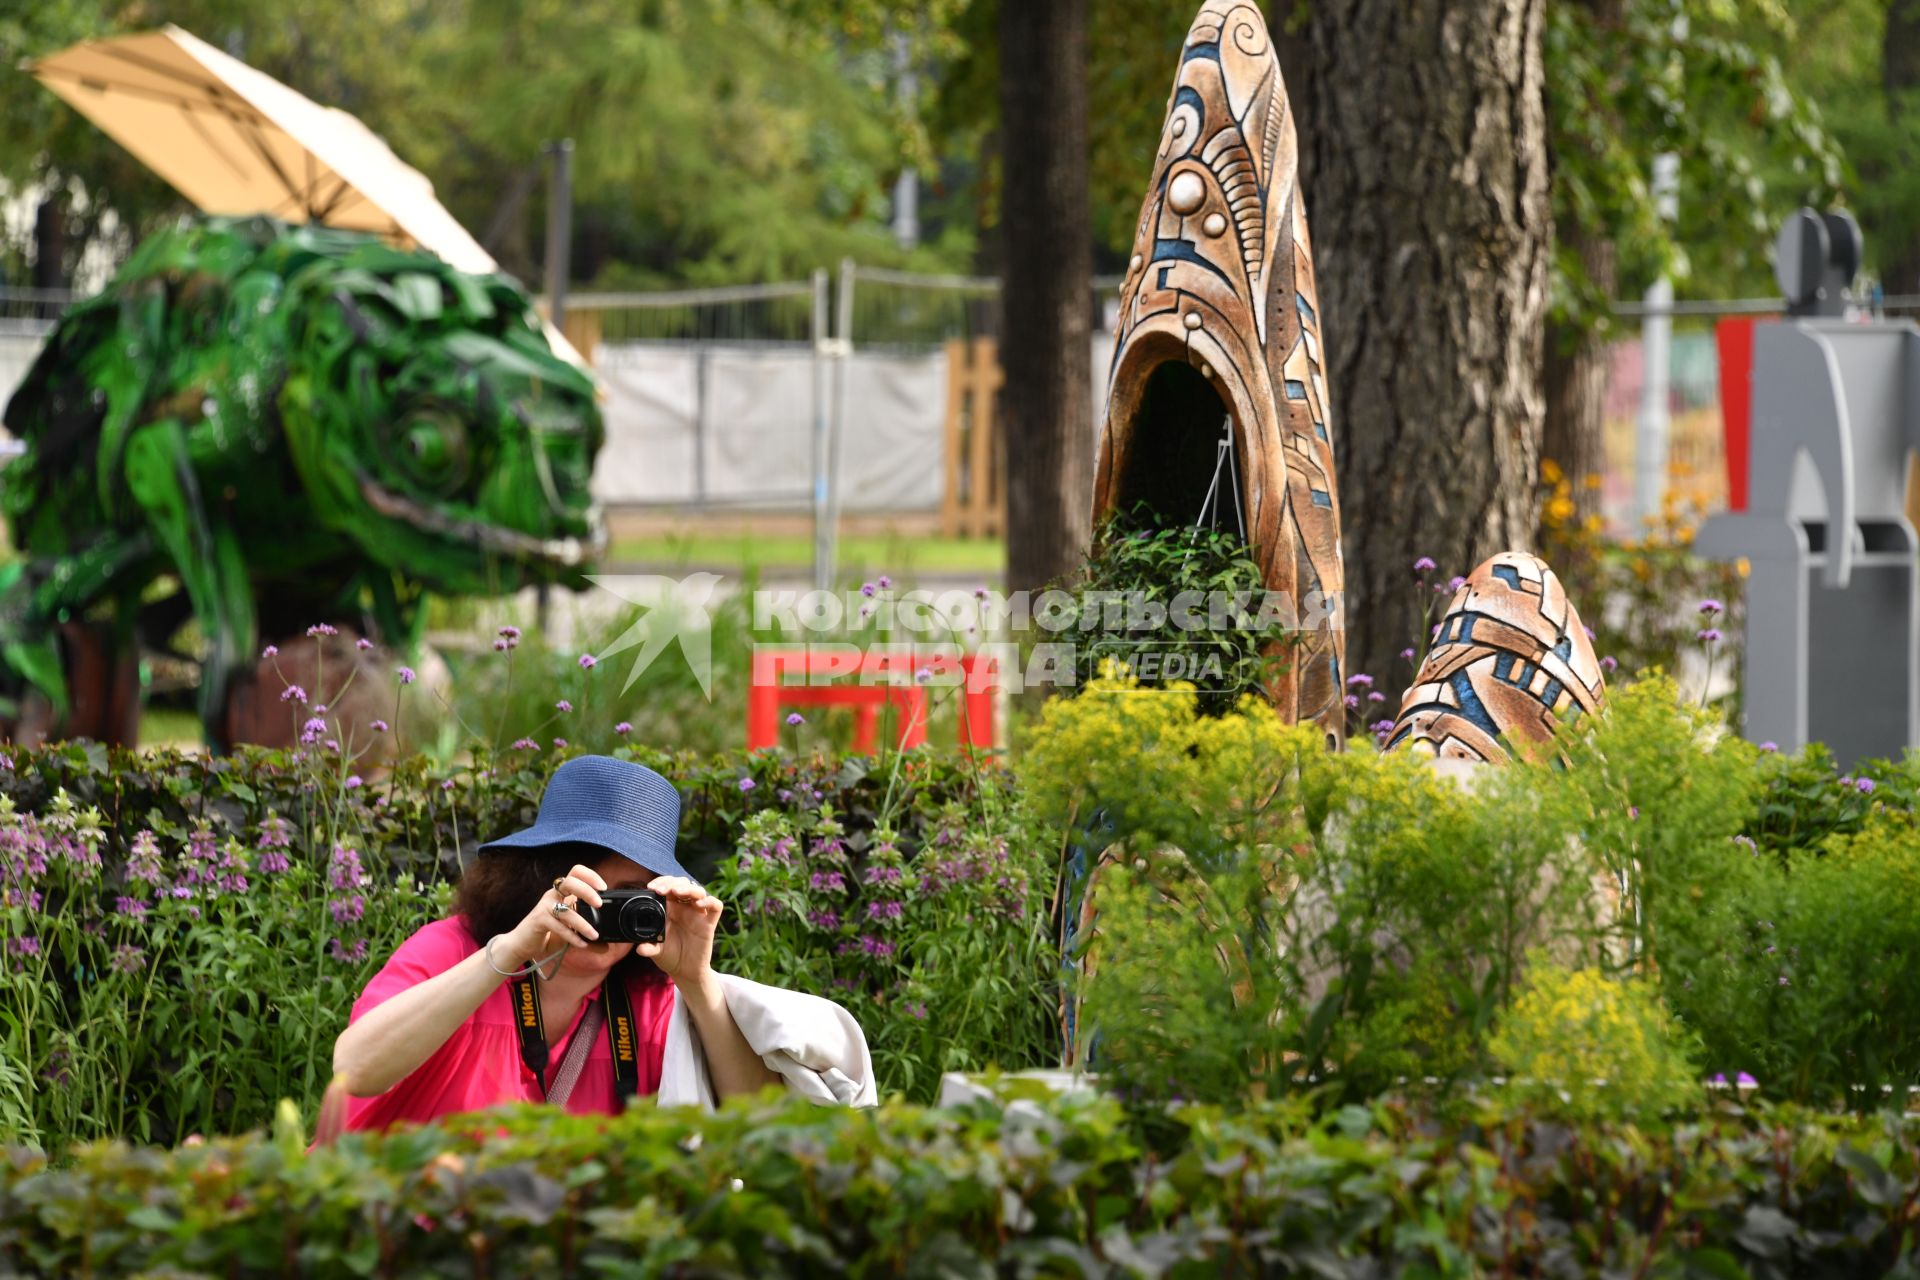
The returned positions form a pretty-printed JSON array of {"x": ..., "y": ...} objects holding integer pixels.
[{"x": 788, "y": 382}]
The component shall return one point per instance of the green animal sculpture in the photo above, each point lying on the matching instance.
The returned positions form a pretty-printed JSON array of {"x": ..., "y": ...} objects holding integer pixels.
[{"x": 290, "y": 425}]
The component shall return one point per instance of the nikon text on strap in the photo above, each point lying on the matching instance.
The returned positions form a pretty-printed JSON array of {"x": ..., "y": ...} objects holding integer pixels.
[{"x": 623, "y": 1034}]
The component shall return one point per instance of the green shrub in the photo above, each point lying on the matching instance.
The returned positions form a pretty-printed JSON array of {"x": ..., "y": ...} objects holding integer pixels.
[
  {"x": 1273, "y": 917},
  {"x": 1022, "y": 1187},
  {"x": 1583, "y": 1044},
  {"x": 1138, "y": 567}
]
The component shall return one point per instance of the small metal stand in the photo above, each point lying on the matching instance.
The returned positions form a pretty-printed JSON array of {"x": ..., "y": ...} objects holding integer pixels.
[{"x": 1833, "y": 593}]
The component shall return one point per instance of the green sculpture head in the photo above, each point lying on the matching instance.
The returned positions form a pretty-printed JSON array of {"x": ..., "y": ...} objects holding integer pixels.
[{"x": 432, "y": 423}]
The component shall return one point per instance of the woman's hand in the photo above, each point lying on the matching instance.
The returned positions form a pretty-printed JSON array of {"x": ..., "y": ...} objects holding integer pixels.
[
  {"x": 543, "y": 929},
  {"x": 686, "y": 955}
]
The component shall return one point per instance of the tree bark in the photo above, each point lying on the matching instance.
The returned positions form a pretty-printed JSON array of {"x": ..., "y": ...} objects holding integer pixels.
[
  {"x": 1900, "y": 80},
  {"x": 1576, "y": 386},
  {"x": 1046, "y": 354},
  {"x": 50, "y": 244},
  {"x": 1424, "y": 167}
]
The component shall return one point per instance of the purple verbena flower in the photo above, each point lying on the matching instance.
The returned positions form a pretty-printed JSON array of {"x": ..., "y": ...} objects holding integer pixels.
[
  {"x": 130, "y": 906},
  {"x": 563, "y": 705},
  {"x": 623, "y": 728},
  {"x": 1710, "y": 607},
  {"x": 407, "y": 675},
  {"x": 866, "y": 589},
  {"x": 353, "y": 782},
  {"x": 363, "y": 644},
  {"x": 747, "y": 784},
  {"x": 795, "y": 719},
  {"x": 1424, "y": 564},
  {"x": 319, "y": 629},
  {"x": 885, "y": 582},
  {"x": 271, "y": 651},
  {"x": 588, "y": 662},
  {"x": 1362, "y": 679},
  {"x": 1710, "y": 634},
  {"x": 293, "y": 693},
  {"x": 525, "y": 744},
  {"x": 1864, "y": 786},
  {"x": 1609, "y": 663},
  {"x": 127, "y": 958}
]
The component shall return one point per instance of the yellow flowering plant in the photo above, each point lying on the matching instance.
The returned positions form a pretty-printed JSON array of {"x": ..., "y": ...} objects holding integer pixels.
[{"x": 1592, "y": 1046}]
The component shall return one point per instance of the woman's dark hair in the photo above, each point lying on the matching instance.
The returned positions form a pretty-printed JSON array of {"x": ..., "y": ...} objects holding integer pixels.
[{"x": 498, "y": 889}]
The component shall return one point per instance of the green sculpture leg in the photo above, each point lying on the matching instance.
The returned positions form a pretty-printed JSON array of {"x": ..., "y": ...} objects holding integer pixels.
[
  {"x": 35, "y": 599},
  {"x": 205, "y": 553},
  {"x": 402, "y": 624}
]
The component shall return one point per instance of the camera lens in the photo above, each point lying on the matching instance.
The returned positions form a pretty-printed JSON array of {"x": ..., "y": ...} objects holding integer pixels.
[{"x": 644, "y": 919}]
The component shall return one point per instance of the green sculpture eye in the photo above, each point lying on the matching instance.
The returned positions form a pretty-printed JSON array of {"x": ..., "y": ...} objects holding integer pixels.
[{"x": 433, "y": 446}]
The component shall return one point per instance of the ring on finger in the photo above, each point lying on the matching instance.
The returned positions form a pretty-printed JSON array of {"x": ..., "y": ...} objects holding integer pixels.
[
  {"x": 561, "y": 908},
  {"x": 559, "y": 884}
]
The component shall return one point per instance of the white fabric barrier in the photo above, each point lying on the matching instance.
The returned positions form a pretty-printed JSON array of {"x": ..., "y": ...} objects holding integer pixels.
[{"x": 736, "y": 426}]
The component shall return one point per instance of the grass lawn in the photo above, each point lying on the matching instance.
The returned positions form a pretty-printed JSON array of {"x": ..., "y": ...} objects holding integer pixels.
[{"x": 858, "y": 554}]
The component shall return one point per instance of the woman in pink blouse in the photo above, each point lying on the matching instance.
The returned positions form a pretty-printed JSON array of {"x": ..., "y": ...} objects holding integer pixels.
[{"x": 513, "y": 998}]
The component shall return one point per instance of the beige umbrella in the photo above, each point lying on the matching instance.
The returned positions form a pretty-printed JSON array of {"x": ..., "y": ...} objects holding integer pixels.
[{"x": 236, "y": 141}]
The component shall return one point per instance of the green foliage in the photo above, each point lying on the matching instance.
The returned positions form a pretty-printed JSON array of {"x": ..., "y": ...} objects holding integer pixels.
[
  {"x": 1628, "y": 80},
  {"x": 1013, "y": 1186},
  {"x": 185, "y": 935},
  {"x": 714, "y": 139},
  {"x": 1145, "y": 594},
  {"x": 940, "y": 949},
  {"x": 1275, "y": 918},
  {"x": 1580, "y": 1043}
]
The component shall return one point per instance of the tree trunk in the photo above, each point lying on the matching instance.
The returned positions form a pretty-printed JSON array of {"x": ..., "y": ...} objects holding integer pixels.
[
  {"x": 1900, "y": 80},
  {"x": 50, "y": 244},
  {"x": 1046, "y": 352},
  {"x": 1576, "y": 387},
  {"x": 1423, "y": 158}
]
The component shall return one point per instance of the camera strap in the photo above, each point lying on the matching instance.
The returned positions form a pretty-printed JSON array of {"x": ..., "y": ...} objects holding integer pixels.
[{"x": 623, "y": 1034}]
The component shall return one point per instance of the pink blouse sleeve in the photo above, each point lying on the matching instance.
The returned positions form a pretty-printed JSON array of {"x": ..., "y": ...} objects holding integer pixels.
[
  {"x": 424, "y": 1093},
  {"x": 431, "y": 951}
]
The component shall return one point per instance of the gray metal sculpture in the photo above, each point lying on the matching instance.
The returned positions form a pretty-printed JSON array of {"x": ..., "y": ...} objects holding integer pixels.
[{"x": 1833, "y": 595}]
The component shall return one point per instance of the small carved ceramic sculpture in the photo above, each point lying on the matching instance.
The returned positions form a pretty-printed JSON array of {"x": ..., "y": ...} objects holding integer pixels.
[
  {"x": 1219, "y": 341},
  {"x": 1509, "y": 659}
]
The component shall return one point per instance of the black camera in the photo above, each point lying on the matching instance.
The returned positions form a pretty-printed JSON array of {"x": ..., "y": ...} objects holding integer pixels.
[{"x": 627, "y": 915}]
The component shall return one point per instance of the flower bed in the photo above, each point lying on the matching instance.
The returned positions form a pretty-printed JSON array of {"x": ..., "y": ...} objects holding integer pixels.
[
  {"x": 184, "y": 936},
  {"x": 1054, "y": 1187}
]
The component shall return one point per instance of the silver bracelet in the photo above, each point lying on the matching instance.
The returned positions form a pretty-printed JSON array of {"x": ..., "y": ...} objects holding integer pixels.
[{"x": 532, "y": 966}]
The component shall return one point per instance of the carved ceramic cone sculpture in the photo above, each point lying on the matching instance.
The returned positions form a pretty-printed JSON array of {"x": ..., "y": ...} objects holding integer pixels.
[
  {"x": 1509, "y": 659},
  {"x": 1218, "y": 329}
]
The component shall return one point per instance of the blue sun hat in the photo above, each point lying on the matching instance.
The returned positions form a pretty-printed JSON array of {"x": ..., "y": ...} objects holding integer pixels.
[{"x": 617, "y": 805}]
